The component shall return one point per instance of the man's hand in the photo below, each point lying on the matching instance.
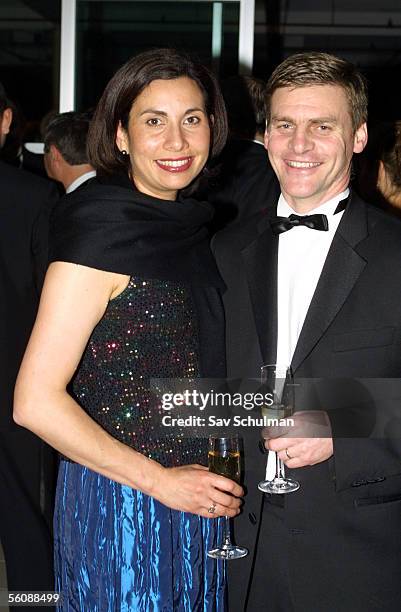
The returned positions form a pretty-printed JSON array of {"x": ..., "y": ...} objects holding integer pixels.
[{"x": 308, "y": 442}]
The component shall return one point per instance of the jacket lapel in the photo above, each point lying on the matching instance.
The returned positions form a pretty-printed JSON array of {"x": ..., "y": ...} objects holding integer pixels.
[
  {"x": 260, "y": 261},
  {"x": 340, "y": 272}
]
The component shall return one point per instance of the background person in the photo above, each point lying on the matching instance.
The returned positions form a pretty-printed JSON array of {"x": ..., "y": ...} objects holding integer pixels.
[
  {"x": 65, "y": 150},
  {"x": 245, "y": 178},
  {"x": 133, "y": 293},
  {"x": 26, "y": 463},
  {"x": 378, "y": 171}
]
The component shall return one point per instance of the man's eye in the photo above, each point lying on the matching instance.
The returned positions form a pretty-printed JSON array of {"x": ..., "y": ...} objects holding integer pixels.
[
  {"x": 324, "y": 128},
  {"x": 284, "y": 126}
]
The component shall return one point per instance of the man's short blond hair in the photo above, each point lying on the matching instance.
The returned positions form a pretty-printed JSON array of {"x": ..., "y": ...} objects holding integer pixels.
[{"x": 315, "y": 68}]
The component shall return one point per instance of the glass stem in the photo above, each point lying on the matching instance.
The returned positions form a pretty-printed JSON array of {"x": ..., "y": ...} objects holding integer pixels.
[
  {"x": 279, "y": 468},
  {"x": 226, "y": 533}
]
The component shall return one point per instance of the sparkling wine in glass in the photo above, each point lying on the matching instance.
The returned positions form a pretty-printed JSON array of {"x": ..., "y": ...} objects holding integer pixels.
[
  {"x": 278, "y": 382},
  {"x": 224, "y": 458}
]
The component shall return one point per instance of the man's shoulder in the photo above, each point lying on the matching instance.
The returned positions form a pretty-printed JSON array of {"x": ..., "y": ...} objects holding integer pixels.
[
  {"x": 374, "y": 232},
  {"x": 383, "y": 217},
  {"x": 385, "y": 225}
]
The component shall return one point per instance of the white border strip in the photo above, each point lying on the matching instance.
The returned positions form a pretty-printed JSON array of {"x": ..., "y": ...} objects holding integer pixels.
[
  {"x": 246, "y": 36},
  {"x": 67, "y": 55}
]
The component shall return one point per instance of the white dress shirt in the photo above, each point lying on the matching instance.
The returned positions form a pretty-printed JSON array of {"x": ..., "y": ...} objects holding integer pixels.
[
  {"x": 301, "y": 255},
  {"x": 81, "y": 179}
]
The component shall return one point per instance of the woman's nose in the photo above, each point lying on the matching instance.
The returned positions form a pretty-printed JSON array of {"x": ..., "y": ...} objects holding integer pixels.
[{"x": 175, "y": 138}]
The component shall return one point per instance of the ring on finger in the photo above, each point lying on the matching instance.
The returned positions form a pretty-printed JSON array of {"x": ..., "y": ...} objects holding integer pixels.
[
  {"x": 288, "y": 454},
  {"x": 212, "y": 508}
]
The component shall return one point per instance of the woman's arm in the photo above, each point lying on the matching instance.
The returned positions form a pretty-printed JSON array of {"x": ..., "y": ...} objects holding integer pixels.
[{"x": 74, "y": 299}]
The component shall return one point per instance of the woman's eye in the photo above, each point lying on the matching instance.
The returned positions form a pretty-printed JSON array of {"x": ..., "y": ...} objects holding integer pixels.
[
  {"x": 192, "y": 120},
  {"x": 154, "y": 121}
]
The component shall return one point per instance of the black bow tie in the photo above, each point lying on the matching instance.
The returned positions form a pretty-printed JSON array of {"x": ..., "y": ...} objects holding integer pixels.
[
  {"x": 317, "y": 222},
  {"x": 283, "y": 224}
]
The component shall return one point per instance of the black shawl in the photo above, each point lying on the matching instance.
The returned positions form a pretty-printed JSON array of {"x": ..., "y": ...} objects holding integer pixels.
[{"x": 111, "y": 226}]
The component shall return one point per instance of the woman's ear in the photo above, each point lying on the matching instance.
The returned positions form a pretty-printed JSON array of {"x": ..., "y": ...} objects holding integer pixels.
[
  {"x": 122, "y": 138},
  {"x": 382, "y": 178}
]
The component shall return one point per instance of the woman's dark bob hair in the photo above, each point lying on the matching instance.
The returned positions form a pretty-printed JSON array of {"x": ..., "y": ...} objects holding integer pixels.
[{"x": 126, "y": 85}]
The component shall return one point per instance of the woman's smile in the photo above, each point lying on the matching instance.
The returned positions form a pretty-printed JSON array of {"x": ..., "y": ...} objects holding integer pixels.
[{"x": 175, "y": 165}]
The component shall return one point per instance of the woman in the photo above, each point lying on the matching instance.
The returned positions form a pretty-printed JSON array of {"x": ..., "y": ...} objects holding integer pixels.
[
  {"x": 378, "y": 178},
  {"x": 389, "y": 166},
  {"x": 132, "y": 293}
]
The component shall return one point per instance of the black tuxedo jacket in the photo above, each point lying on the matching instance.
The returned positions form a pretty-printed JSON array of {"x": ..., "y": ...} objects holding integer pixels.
[
  {"x": 25, "y": 204},
  {"x": 352, "y": 329}
]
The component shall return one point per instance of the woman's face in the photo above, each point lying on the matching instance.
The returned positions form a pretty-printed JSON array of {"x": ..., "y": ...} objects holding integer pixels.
[{"x": 168, "y": 137}]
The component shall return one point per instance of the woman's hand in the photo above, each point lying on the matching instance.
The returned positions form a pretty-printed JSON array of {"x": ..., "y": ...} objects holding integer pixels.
[{"x": 192, "y": 488}]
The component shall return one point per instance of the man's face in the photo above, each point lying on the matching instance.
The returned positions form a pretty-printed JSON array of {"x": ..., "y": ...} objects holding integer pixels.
[{"x": 310, "y": 141}]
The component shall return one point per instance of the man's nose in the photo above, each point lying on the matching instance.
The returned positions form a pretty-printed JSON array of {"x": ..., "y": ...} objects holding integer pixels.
[{"x": 301, "y": 141}]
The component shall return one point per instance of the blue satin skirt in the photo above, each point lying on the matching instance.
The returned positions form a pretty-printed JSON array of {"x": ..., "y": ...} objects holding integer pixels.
[{"x": 117, "y": 549}]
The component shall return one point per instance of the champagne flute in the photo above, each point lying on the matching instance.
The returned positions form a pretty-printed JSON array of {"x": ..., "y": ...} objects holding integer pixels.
[
  {"x": 277, "y": 380},
  {"x": 224, "y": 458}
]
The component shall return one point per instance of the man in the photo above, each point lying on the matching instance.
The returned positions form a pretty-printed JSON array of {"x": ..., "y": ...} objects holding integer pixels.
[
  {"x": 320, "y": 291},
  {"x": 66, "y": 158},
  {"x": 25, "y": 462},
  {"x": 245, "y": 176}
]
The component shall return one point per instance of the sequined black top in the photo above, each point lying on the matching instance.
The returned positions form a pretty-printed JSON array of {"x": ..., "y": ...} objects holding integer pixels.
[
  {"x": 149, "y": 331},
  {"x": 167, "y": 323}
]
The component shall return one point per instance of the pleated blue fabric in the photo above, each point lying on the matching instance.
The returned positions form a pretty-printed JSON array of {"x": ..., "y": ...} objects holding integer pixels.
[{"x": 117, "y": 549}]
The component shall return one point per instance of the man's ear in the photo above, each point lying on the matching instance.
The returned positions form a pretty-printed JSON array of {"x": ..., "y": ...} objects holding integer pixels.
[
  {"x": 360, "y": 138},
  {"x": 6, "y": 120},
  {"x": 54, "y": 153},
  {"x": 266, "y": 139},
  {"x": 122, "y": 138}
]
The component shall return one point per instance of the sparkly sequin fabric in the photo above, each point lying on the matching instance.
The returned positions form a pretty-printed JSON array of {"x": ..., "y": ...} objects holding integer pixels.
[{"x": 148, "y": 331}]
